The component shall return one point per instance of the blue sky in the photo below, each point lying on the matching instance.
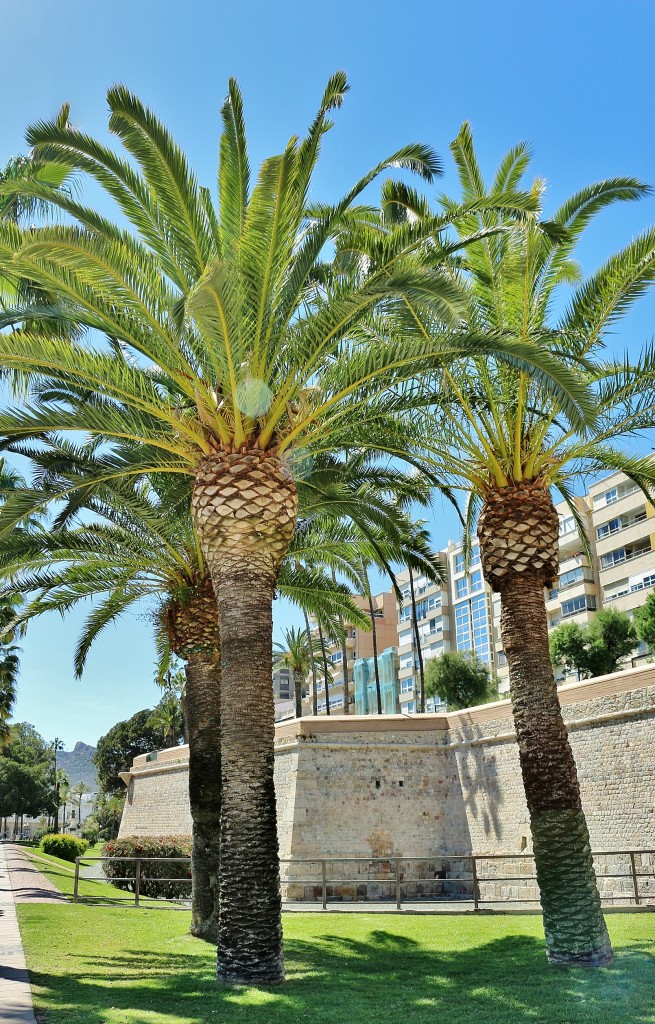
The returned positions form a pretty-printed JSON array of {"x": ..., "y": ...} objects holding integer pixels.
[{"x": 572, "y": 79}]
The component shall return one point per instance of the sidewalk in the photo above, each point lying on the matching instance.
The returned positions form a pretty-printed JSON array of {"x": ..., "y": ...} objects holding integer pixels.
[{"x": 15, "y": 992}]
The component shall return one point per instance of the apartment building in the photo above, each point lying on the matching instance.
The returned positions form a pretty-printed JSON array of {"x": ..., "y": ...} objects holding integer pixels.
[
  {"x": 433, "y": 620},
  {"x": 359, "y": 644},
  {"x": 462, "y": 614}
]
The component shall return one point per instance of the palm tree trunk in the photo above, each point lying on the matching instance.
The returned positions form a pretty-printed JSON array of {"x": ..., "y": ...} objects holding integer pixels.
[
  {"x": 297, "y": 687},
  {"x": 203, "y": 688},
  {"x": 378, "y": 690},
  {"x": 573, "y": 920},
  {"x": 419, "y": 652},
  {"x": 518, "y": 531},
  {"x": 244, "y": 509},
  {"x": 326, "y": 672},
  {"x": 314, "y": 678},
  {"x": 344, "y": 660}
]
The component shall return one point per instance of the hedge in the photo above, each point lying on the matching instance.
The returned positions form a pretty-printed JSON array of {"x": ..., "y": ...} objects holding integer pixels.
[
  {"x": 63, "y": 846},
  {"x": 128, "y": 848}
]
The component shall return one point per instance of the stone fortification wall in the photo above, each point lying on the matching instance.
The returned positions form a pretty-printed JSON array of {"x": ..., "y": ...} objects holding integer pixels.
[{"x": 434, "y": 786}]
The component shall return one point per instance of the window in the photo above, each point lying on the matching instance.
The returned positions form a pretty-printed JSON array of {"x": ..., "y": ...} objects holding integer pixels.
[
  {"x": 476, "y": 581},
  {"x": 407, "y": 660},
  {"x": 336, "y": 657},
  {"x": 435, "y": 626},
  {"x": 585, "y": 602},
  {"x": 567, "y": 579},
  {"x": 475, "y": 555},
  {"x": 612, "y": 558},
  {"x": 460, "y": 562},
  {"x": 434, "y": 602},
  {"x": 406, "y": 685},
  {"x": 336, "y": 702},
  {"x": 407, "y": 593},
  {"x": 404, "y": 637},
  {"x": 607, "y": 529},
  {"x": 611, "y": 496},
  {"x": 409, "y": 707},
  {"x": 405, "y": 613},
  {"x": 566, "y": 526},
  {"x": 648, "y": 580},
  {"x": 462, "y": 587}
]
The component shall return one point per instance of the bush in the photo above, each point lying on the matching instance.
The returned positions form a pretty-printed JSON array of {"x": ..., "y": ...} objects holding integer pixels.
[
  {"x": 64, "y": 847},
  {"x": 129, "y": 848},
  {"x": 91, "y": 833}
]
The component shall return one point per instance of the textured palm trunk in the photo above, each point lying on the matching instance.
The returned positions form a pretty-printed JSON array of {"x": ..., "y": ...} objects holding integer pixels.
[
  {"x": 314, "y": 679},
  {"x": 344, "y": 660},
  {"x": 518, "y": 533},
  {"x": 378, "y": 689},
  {"x": 204, "y": 711},
  {"x": 298, "y": 680},
  {"x": 193, "y": 633},
  {"x": 244, "y": 508},
  {"x": 326, "y": 671},
  {"x": 417, "y": 641}
]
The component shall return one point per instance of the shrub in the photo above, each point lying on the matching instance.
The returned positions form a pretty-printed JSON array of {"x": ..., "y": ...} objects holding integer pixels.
[
  {"x": 129, "y": 848},
  {"x": 91, "y": 833},
  {"x": 64, "y": 847}
]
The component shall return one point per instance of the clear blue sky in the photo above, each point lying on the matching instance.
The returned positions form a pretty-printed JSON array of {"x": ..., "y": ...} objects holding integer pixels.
[{"x": 574, "y": 79}]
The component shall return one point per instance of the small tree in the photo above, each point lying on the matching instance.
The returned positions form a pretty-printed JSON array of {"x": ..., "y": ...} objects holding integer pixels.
[
  {"x": 568, "y": 647},
  {"x": 645, "y": 621},
  {"x": 597, "y": 649},
  {"x": 460, "y": 679}
]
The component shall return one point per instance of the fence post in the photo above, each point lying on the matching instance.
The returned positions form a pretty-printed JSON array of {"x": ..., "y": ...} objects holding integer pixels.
[
  {"x": 324, "y": 884},
  {"x": 137, "y": 882},
  {"x": 398, "y": 907},
  {"x": 76, "y": 884},
  {"x": 635, "y": 883},
  {"x": 476, "y": 892}
]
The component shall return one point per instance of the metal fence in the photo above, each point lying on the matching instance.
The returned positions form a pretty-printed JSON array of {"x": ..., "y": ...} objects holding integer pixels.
[{"x": 471, "y": 881}]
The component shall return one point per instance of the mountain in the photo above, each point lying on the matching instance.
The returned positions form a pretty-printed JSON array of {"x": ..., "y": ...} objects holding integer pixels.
[{"x": 78, "y": 765}]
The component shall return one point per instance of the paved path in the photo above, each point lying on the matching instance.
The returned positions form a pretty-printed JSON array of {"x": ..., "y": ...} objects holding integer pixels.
[
  {"x": 27, "y": 882},
  {"x": 15, "y": 992}
]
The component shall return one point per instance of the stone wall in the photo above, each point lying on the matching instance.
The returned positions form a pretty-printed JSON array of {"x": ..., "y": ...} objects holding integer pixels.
[{"x": 433, "y": 787}]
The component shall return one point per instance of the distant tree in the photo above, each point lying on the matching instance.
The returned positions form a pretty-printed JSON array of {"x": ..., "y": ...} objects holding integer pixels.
[
  {"x": 167, "y": 719},
  {"x": 79, "y": 792},
  {"x": 597, "y": 649},
  {"x": 27, "y": 746},
  {"x": 297, "y": 654},
  {"x": 645, "y": 621},
  {"x": 24, "y": 789},
  {"x": 568, "y": 648},
  {"x": 117, "y": 749},
  {"x": 459, "y": 678}
]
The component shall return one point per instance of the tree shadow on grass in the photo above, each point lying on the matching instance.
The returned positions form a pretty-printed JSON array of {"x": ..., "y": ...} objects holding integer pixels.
[{"x": 385, "y": 979}]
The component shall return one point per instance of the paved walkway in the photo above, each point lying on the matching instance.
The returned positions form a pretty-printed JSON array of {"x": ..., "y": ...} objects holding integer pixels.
[{"x": 15, "y": 992}]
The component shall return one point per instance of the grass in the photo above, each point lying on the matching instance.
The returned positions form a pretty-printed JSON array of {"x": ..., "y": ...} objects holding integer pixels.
[
  {"x": 62, "y": 875},
  {"x": 107, "y": 965}
]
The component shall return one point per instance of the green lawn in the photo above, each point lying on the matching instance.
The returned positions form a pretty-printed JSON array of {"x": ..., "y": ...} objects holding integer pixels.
[
  {"x": 62, "y": 875},
  {"x": 106, "y": 965}
]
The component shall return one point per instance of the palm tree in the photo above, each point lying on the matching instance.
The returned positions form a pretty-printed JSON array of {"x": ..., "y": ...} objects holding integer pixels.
[
  {"x": 227, "y": 353},
  {"x": 511, "y": 442},
  {"x": 80, "y": 790},
  {"x": 64, "y": 793},
  {"x": 296, "y": 653}
]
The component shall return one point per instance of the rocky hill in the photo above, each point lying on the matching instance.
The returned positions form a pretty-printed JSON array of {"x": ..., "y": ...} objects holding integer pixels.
[{"x": 78, "y": 765}]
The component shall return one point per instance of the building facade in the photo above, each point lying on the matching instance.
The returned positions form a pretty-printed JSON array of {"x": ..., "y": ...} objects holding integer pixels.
[{"x": 359, "y": 645}]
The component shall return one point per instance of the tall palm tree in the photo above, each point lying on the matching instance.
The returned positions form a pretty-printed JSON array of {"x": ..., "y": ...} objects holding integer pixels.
[
  {"x": 296, "y": 653},
  {"x": 80, "y": 790},
  {"x": 226, "y": 355},
  {"x": 147, "y": 548},
  {"x": 503, "y": 435}
]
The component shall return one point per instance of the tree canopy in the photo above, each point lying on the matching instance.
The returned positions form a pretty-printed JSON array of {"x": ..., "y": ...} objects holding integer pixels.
[{"x": 460, "y": 679}]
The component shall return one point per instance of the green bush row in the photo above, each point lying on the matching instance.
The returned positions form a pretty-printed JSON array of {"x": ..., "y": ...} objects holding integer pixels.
[
  {"x": 64, "y": 847},
  {"x": 127, "y": 849}
]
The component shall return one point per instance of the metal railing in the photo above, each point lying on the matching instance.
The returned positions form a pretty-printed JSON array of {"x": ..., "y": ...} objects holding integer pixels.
[{"x": 467, "y": 879}]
